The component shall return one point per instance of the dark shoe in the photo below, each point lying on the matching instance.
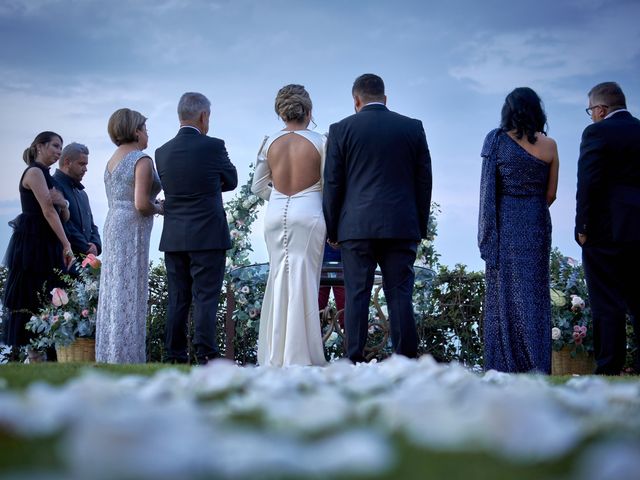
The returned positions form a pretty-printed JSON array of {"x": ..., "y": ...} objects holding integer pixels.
[
  {"x": 176, "y": 361},
  {"x": 204, "y": 359}
]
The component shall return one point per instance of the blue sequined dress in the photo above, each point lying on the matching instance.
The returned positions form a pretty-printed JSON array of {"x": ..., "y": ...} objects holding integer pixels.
[{"x": 514, "y": 236}]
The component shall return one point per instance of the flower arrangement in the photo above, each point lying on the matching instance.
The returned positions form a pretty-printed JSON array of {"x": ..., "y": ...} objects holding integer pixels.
[
  {"x": 570, "y": 312},
  {"x": 242, "y": 211},
  {"x": 71, "y": 312}
]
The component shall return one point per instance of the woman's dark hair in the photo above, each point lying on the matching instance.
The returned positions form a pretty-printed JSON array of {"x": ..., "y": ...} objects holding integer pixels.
[
  {"x": 523, "y": 112},
  {"x": 30, "y": 154}
]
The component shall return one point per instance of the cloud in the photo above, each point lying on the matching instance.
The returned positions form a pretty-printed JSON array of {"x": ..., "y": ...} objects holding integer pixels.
[
  {"x": 547, "y": 57},
  {"x": 27, "y": 8}
]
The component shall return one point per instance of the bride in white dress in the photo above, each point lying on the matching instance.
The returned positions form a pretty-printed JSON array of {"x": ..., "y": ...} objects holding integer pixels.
[{"x": 288, "y": 175}]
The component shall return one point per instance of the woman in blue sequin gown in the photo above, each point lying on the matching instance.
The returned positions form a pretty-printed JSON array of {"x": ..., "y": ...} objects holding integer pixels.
[{"x": 519, "y": 183}]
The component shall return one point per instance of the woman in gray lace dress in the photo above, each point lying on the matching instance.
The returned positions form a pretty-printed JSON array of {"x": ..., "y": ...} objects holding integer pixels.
[{"x": 132, "y": 185}]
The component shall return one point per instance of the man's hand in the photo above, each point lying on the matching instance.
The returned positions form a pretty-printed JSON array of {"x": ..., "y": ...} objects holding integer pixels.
[
  {"x": 333, "y": 244},
  {"x": 57, "y": 198},
  {"x": 92, "y": 249},
  {"x": 582, "y": 238}
]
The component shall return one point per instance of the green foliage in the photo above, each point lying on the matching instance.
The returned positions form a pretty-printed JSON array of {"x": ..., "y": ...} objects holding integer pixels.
[
  {"x": 426, "y": 254},
  {"x": 449, "y": 318},
  {"x": 157, "y": 313}
]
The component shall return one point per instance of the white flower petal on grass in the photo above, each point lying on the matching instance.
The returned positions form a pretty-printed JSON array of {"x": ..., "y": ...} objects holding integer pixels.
[
  {"x": 248, "y": 422},
  {"x": 514, "y": 421},
  {"x": 612, "y": 460},
  {"x": 308, "y": 413}
]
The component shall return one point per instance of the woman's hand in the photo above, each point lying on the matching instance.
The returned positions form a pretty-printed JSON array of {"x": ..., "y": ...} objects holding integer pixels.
[
  {"x": 67, "y": 256},
  {"x": 159, "y": 207}
]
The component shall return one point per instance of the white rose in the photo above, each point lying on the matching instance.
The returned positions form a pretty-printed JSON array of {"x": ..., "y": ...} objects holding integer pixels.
[
  {"x": 556, "y": 333},
  {"x": 577, "y": 303},
  {"x": 67, "y": 316},
  {"x": 332, "y": 339},
  {"x": 230, "y": 217}
]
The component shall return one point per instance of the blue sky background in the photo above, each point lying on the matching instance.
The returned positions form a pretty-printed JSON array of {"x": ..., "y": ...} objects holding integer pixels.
[{"x": 66, "y": 65}]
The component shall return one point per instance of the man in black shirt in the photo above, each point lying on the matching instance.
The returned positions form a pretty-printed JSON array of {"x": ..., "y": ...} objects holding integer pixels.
[{"x": 80, "y": 229}]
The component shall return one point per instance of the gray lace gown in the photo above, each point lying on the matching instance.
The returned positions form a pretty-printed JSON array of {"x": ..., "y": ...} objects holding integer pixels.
[{"x": 124, "y": 279}]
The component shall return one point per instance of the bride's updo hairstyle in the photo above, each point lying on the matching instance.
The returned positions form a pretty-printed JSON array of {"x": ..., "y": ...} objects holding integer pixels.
[{"x": 293, "y": 103}]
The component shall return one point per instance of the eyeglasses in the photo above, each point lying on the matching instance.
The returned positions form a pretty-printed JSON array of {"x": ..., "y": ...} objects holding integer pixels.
[{"x": 589, "y": 110}]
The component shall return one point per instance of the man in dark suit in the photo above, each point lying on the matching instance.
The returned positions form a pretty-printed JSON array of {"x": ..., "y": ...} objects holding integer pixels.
[
  {"x": 80, "y": 229},
  {"x": 194, "y": 170},
  {"x": 608, "y": 221},
  {"x": 377, "y": 193}
]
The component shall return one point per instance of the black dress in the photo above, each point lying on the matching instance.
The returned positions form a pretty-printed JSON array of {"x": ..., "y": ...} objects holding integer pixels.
[{"x": 33, "y": 256}]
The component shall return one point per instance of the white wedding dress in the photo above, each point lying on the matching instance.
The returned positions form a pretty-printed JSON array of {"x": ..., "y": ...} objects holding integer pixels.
[{"x": 295, "y": 233}]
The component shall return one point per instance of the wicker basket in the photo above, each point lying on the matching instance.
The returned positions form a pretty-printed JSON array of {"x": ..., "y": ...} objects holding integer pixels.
[
  {"x": 563, "y": 364},
  {"x": 82, "y": 350}
]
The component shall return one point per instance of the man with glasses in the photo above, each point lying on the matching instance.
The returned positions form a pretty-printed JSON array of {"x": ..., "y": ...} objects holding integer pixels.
[{"x": 608, "y": 222}]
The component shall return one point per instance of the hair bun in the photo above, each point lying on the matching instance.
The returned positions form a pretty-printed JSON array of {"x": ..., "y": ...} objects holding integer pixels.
[{"x": 293, "y": 103}]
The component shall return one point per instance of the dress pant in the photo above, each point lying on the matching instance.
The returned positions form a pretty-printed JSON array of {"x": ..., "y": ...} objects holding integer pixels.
[
  {"x": 396, "y": 258},
  {"x": 193, "y": 276},
  {"x": 338, "y": 296},
  {"x": 611, "y": 272}
]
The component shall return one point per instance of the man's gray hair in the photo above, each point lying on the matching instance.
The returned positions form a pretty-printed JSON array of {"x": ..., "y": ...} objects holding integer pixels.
[
  {"x": 191, "y": 105},
  {"x": 73, "y": 152}
]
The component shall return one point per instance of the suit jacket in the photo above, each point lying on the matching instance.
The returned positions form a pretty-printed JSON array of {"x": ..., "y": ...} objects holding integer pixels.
[
  {"x": 608, "y": 193},
  {"x": 79, "y": 229},
  {"x": 194, "y": 170},
  {"x": 377, "y": 177}
]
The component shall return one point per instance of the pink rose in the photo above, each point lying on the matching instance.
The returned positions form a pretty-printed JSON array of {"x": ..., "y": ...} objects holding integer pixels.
[
  {"x": 578, "y": 341},
  {"x": 54, "y": 319},
  {"x": 576, "y": 328},
  {"x": 85, "y": 313},
  {"x": 583, "y": 330},
  {"x": 577, "y": 336},
  {"x": 92, "y": 261},
  {"x": 59, "y": 297}
]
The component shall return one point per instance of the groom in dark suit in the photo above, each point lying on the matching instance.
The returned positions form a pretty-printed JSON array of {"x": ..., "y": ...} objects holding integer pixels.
[
  {"x": 608, "y": 222},
  {"x": 194, "y": 170},
  {"x": 377, "y": 193}
]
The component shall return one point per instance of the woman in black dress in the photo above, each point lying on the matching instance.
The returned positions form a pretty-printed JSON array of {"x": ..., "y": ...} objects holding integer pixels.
[{"x": 38, "y": 245}]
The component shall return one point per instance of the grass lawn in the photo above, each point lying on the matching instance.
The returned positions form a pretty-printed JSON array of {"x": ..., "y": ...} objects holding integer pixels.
[{"x": 18, "y": 375}]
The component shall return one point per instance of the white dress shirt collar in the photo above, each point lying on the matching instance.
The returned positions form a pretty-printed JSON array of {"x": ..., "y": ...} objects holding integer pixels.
[
  {"x": 616, "y": 111},
  {"x": 191, "y": 126}
]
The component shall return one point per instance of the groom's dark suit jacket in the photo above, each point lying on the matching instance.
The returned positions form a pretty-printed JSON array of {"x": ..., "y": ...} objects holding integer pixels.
[
  {"x": 194, "y": 170},
  {"x": 608, "y": 195},
  {"x": 377, "y": 177}
]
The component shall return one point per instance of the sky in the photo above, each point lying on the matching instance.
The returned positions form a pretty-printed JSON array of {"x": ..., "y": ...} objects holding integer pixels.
[{"x": 66, "y": 65}]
